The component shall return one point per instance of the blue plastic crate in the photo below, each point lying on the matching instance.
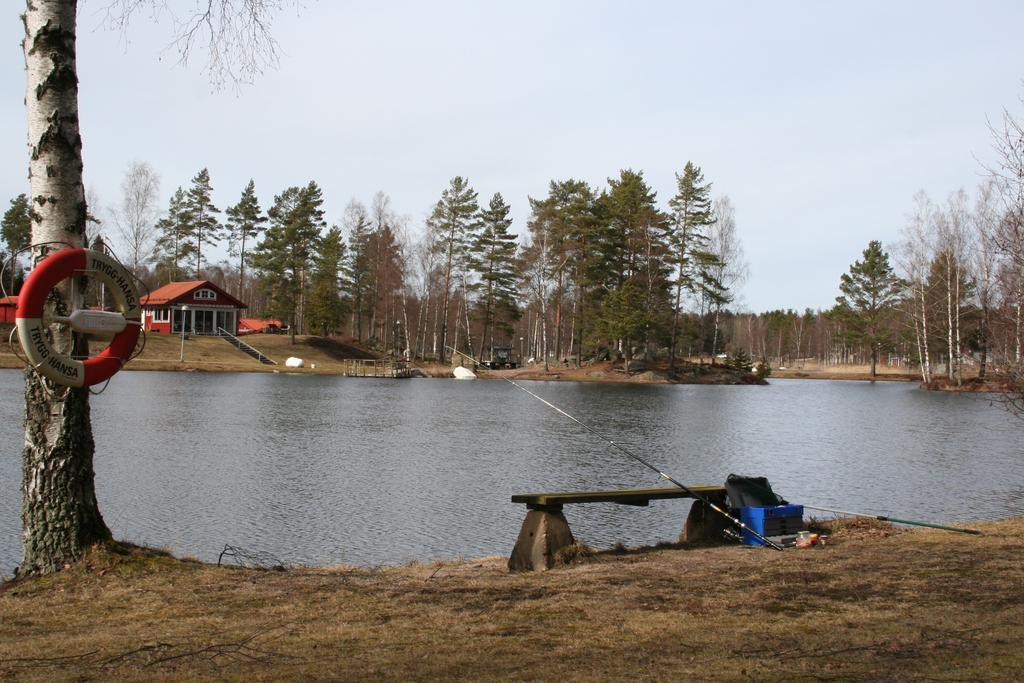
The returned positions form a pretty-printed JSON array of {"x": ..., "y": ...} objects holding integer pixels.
[{"x": 771, "y": 520}]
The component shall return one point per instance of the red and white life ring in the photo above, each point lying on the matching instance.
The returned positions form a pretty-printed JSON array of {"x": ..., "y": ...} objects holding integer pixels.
[{"x": 75, "y": 262}]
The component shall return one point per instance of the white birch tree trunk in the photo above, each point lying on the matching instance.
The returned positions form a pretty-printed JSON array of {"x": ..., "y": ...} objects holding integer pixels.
[
  {"x": 956, "y": 320},
  {"x": 433, "y": 332},
  {"x": 926, "y": 359},
  {"x": 950, "y": 357},
  {"x": 544, "y": 330},
  {"x": 60, "y": 516},
  {"x": 407, "y": 351},
  {"x": 921, "y": 347},
  {"x": 1017, "y": 333},
  {"x": 534, "y": 339}
]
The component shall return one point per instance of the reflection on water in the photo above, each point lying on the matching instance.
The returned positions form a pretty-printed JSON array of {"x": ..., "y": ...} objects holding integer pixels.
[{"x": 322, "y": 470}]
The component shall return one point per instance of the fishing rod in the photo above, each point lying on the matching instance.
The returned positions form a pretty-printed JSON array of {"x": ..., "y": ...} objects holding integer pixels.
[
  {"x": 883, "y": 518},
  {"x": 686, "y": 489}
]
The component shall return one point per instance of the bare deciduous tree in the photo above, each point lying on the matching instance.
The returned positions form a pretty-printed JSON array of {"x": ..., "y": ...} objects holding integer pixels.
[
  {"x": 135, "y": 218},
  {"x": 731, "y": 268},
  {"x": 234, "y": 34},
  {"x": 953, "y": 239},
  {"x": 985, "y": 262},
  {"x": 914, "y": 256},
  {"x": 1008, "y": 171}
]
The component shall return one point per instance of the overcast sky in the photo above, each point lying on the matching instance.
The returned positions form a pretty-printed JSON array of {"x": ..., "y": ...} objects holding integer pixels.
[{"x": 820, "y": 122}]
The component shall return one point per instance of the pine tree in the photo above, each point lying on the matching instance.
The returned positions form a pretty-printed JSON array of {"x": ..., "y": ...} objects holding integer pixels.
[
  {"x": 687, "y": 237},
  {"x": 359, "y": 272},
  {"x": 173, "y": 247},
  {"x": 623, "y": 316},
  {"x": 636, "y": 235},
  {"x": 494, "y": 262},
  {"x": 326, "y": 307},
  {"x": 201, "y": 218},
  {"x": 16, "y": 230},
  {"x": 741, "y": 361},
  {"x": 245, "y": 222},
  {"x": 288, "y": 247},
  {"x": 451, "y": 222},
  {"x": 870, "y": 293}
]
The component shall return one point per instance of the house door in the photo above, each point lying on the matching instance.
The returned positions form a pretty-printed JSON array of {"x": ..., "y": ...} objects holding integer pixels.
[
  {"x": 204, "y": 322},
  {"x": 225, "y": 321},
  {"x": 178, "y": 316}
]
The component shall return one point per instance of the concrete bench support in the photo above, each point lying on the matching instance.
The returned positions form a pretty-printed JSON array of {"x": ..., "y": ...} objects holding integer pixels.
[
  {"x": 543, "y": 534},
  {"x": 545, "y": 530},
  {"x": 704, "y": 524}
]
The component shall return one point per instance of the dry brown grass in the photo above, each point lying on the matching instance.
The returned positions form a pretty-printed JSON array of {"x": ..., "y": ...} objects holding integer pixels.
[
  {"x": 815, "y": 370},
  {"x": 211, "y": 354},
  {"x": 871, "y": 605}
]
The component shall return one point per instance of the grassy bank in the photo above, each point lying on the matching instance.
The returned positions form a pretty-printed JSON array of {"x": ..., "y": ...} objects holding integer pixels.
[
  {"x": 874, "y": 603},
  {"x": 163, "y": 352},
  {"x": 815, "y": 370},
  {"x": 324, "y": 355},
  {"x": 212, "y": 354}
]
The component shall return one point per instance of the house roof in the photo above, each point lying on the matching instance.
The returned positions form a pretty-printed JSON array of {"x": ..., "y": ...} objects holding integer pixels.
[
  {"x": 178, "y": 291},
  {"x": 257, "y": 323}
]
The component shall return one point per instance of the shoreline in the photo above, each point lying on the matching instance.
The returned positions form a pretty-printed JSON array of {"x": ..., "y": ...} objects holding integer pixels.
[
  {"x": 596, "y": 373},
  {"x": 854, "y": 376},
  {"x": 875, "y": 602}
]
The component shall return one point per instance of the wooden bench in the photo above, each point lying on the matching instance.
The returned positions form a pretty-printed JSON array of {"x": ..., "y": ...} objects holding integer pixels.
[{"x": 545, "y": 530}]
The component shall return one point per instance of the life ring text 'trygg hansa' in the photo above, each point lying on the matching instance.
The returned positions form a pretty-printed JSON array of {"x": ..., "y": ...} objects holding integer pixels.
[{"x": 124, "y": 325}]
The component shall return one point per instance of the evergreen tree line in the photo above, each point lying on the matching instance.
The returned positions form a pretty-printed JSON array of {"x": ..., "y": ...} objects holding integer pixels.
[
  {"x": 600, "y": 272},
  {"x": 597, "y": 271}
]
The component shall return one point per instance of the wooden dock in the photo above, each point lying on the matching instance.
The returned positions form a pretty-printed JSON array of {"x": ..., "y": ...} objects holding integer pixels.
[{"x": 394, "y": 369}]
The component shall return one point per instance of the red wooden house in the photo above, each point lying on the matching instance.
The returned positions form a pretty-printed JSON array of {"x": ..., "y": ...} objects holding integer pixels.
[
  {"x": 8, "y": 307},
  {"x": 204, "y": 307}
]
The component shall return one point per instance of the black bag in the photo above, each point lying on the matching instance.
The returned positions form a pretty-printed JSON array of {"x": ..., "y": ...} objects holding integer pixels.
[{"x": 750, "y": 492}]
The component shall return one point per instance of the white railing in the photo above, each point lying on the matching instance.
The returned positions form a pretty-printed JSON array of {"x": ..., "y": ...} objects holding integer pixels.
[{"x": 254, "y": 352}]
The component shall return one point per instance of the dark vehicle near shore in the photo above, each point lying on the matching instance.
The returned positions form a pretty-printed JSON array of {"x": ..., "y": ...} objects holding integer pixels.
[{"x": 501, "y": 358}]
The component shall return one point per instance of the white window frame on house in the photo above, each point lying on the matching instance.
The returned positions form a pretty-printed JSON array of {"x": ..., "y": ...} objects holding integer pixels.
[
  {"x": 204, "y": 295},
  {"x": 161, "y": 315}
]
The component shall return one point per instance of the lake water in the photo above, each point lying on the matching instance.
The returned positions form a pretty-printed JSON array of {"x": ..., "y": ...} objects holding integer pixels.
[{"x": 324, "y": 470}]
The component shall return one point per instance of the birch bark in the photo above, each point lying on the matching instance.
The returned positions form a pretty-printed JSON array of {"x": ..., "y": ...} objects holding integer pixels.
[
  {"x": 60, "y": 516},
  {"x": 950, "y": 355},
  {"x": 926, "y": 359}
]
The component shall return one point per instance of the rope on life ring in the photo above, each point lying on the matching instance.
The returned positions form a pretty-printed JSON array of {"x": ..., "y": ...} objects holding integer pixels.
[{"x": 62, "y": 369}]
